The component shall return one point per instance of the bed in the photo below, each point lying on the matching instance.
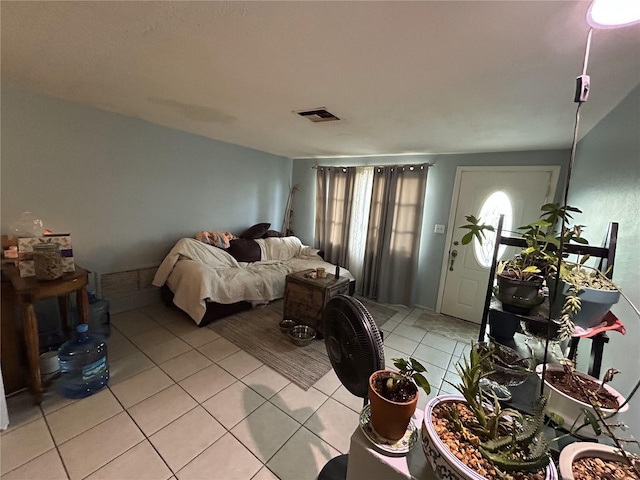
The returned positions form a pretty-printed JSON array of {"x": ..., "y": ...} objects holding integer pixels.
[{"x": 208, "y": 282}]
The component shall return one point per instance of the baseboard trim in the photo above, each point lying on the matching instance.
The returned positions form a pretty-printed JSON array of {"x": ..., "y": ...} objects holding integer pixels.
[{"x": 135, "y": 300}]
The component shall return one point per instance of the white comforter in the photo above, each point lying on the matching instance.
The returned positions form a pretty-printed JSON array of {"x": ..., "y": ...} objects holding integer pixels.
[{"x": 196, "y": 273}]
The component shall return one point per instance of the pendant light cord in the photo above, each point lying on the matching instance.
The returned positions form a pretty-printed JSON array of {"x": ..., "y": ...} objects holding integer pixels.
[{"x": 572, "y": 157}]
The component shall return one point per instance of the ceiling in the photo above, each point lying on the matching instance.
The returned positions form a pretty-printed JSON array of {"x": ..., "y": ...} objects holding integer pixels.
[{"x": 404, "y": 77}]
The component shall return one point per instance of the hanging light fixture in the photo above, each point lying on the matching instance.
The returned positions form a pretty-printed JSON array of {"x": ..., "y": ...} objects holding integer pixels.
[{"x": 613, "y": 13}]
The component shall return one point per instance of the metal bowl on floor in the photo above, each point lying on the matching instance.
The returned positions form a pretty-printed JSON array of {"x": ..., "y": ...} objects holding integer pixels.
[
  {"x": 302, "y": 335},
  {"x": 287, "y": 324}
]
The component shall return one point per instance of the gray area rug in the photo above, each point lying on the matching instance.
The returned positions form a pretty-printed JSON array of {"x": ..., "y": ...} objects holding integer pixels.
[
  {"x": 379, "y": 312},
  {"x": 257, "y": 332}
]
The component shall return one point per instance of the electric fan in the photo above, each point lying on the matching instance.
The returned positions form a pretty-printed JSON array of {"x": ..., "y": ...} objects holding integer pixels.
[
  {"x": 354, "y": 343},
  {"x": 354, "y": 346}
]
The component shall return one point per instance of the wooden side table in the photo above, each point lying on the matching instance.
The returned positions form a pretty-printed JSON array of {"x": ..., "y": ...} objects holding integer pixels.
[
  {"x": 305, "y": 298},
  {"x": 28, "y": 291}
]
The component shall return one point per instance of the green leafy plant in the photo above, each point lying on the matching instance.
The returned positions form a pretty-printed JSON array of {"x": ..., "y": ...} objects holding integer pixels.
[
  {"x": 508, "y": 439},
  {"x": 476, "y": 230},
  {"x": 409, "y": 370},
  {"x": 542, "y": 238},
  {"x": 598, "y": 421},
  {"x": 578, "y": 276}
]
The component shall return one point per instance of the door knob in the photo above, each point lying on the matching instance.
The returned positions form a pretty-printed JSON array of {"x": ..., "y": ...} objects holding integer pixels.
[{"x": 454, "y": 254}]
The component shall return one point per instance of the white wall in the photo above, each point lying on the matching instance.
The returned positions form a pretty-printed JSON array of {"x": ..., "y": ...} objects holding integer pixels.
[
  {"x": 124, "y": 188},
  {"x": 605, "y": 185}
]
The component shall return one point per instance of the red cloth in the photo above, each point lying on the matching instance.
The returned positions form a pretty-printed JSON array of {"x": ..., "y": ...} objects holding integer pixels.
[{"x": 609, "y": 322}]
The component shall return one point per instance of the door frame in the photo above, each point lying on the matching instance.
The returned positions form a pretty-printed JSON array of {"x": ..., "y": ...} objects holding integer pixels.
[{"x": 553, "y": 184}]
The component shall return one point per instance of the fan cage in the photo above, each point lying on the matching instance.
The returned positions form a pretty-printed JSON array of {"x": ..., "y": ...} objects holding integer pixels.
[{"x": 353, "y": 342}]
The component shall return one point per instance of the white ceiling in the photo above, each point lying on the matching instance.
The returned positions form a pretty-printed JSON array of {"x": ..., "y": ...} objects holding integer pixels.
[{"x": 404, "y": 77}]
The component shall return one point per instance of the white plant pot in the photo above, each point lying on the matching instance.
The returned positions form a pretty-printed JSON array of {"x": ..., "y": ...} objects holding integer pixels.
[
  {"x": 571, "y": 409},
  {"x": 444, "y": 463},
  {"x": 578, "y": 450}
]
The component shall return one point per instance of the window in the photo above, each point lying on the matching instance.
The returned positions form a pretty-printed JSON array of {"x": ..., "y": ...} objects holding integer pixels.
[{"x": 496, "y": 204}]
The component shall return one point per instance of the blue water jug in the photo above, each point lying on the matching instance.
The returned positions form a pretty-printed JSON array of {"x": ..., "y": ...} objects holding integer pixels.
[
  {"x": 99, "y": 318},
  {"x": 84, "y": 364}
]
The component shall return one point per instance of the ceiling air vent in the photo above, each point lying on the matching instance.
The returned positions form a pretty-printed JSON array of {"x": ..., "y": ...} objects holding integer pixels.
[{"x": 318, "y": 115}]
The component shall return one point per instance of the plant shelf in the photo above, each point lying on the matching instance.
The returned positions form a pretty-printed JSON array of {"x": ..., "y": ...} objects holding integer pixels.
[{"x": 540, "y": 314}]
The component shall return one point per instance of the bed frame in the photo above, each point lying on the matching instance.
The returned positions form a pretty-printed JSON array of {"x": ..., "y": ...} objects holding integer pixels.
[{"x": 217, "y": 310}]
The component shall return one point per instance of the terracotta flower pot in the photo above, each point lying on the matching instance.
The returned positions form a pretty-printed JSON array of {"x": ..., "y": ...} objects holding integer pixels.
[
  {"x": 389, "y": 419},
  {"x": 444, "y": 463},
  {"x": 578, "y": 450},
  {"x": 571, "y": 409}
]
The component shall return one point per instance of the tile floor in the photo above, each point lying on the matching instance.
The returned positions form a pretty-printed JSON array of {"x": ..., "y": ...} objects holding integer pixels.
[{"x": 185, "y": 403}]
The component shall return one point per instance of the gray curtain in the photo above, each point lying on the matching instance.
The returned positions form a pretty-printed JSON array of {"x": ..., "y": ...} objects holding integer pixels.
[
  {"x": 393, "y": 235},
  {"x": 334, "y": 194}
]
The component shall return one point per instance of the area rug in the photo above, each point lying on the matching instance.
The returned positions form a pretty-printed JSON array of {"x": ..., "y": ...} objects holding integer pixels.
[
  {"x": 256, "y": 331},
  {"x": 380, "y": 313}
]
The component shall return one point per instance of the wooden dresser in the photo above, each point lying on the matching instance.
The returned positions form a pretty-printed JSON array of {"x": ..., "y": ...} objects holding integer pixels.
[{"x": 305, "y": 298}]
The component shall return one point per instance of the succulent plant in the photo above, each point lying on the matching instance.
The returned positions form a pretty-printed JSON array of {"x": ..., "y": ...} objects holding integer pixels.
[{"x": 508, "y": 439}]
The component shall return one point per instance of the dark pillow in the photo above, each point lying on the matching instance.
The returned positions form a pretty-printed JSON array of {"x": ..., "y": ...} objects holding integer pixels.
[
  {"x": 244, "y": 250},
  {"x": 272, "y": 233},
  {"x": 257, "y": 231}
]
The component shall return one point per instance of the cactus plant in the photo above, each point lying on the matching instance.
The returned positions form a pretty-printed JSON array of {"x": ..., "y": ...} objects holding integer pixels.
[{"x": 509, "y": 440}]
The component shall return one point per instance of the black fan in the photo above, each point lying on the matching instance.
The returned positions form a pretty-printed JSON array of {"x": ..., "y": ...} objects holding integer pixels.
[
  {"x": 354, "y": 346},
  {"x": 353, "y": 342}
]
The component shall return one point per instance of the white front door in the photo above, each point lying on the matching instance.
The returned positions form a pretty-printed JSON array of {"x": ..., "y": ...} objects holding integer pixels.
[{"x": 487, "y": 192}]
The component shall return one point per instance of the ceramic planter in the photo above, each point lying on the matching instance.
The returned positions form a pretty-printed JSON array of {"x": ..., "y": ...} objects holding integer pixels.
[
  {"x": 578, "y": 450},
  {"x": 389, "y": 419},
  {"x": 571, "y": 409},
  {"x": 444, "y": 463},
  {"x": 519, "y": 296},
  {"x": 595, "y": 304}
]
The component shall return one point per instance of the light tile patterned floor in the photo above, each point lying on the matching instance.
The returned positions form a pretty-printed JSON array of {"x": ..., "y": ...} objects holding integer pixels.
[{"x": 185, "y": 403}]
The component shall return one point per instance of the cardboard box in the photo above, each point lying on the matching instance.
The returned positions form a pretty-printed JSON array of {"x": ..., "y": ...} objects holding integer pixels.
[{"x": 25, "y": 252}]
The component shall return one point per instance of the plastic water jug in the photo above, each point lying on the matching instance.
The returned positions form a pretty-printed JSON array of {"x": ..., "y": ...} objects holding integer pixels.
[
  {"x": 84, "y": 364},
  {"x": 99, "y": 318}
]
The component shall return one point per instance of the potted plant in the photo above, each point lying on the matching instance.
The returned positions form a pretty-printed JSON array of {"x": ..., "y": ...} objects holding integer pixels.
[
  {"x": 593, "y": 461},
  {"x": 393, "y": 397},
  {"x": 520, "y": 279},
  {"x": 589, "y": 460},
  {"x": 585, "y": 295},
  {"x": 465, "y": 436},
  {"x": 575, "y": 396}
]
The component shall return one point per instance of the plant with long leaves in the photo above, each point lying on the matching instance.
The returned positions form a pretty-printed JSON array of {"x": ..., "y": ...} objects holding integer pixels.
[{"x": 506, "y": 438}]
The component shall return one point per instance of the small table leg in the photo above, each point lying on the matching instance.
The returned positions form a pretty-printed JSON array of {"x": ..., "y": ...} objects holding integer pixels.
[
  {"x": 33, "y": 350},
  {"x": 63, "y": 305},
  {"x": 82, "y": 299}
]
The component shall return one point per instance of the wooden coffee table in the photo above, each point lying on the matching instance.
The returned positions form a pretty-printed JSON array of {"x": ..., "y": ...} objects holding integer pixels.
[{"x": 305, "y": 298}]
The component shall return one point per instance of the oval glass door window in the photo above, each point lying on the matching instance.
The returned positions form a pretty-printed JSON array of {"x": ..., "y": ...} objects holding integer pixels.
[{"x": 498, "y": 203}]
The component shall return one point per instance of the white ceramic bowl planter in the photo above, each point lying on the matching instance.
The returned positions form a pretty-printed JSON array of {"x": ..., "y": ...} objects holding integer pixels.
[
  {"x": 571, "y": 409},
  {"x": 578, "y": 450},
  {"x": 444, "y": 463}
]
